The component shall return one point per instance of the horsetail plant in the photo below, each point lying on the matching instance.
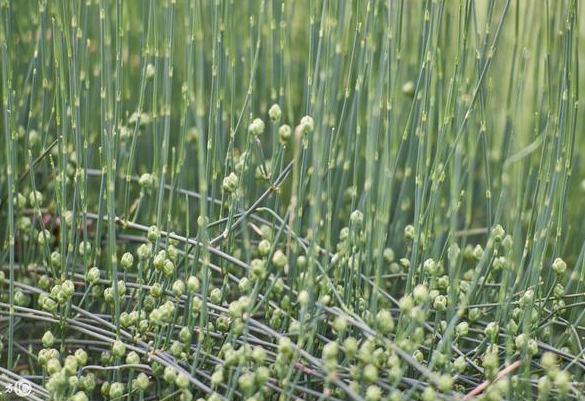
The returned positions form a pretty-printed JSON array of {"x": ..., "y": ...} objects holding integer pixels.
[{"x": 280, "y": 200}]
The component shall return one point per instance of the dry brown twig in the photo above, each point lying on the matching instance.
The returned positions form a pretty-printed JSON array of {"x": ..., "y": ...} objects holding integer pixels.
[{"x": 479, "y": 389}]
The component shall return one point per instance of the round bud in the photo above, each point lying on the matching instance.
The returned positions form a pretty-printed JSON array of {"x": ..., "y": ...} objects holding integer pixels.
[
  {"x": 544, "y": 387},
  {"x": 388, "y": 255},
  {"x": 172, "y": 252},
  {"x": 55, "y": 258},
  {"x": 156, "y": 290},
  {"x": 214, "y": 397},
  {"x": 176, "y": 349},
  {"x": 170, "y": 374},
  {"x": 217, "y": 378},
  {"x": 185, "y": 335},
  {"x": 230, "y": 183},
  {"x": 520, "y": 341},
  {"x": 373, "y": 393},
  {"x": 192, "y": 135},
  {"x": 420, "y": 294},
  {"x": 68, "y": 217},
  {"x": 109, "y": 295},
  {"x": 35, "y": 198},
  {"x": 153, "y": 233},
  {"x": 159, "y": 260},
  {"x": 285, "y": 346},
  {"x": 491, "y": 330},
  {"x": 193, "y": 284},
  {"x": 370, "y": 373},
  {"x": 125, "y": 132},
  {"x": 462, "y": 329},
  {"x": 563, "y": 381},
  {"x": 258, "y": 269},
  {"x": 141, "y": 382},
  {"x": 460, "y": 364},
  {"x": 548, "y": 360},
  {"x": 274, "y": 113},
  {"x": 20, "y": 200},
  {"x": 81, "y": 357},
  {"x": 340, "y": 324},
  {"x": 512, "y": 326},
  {"x": 196, "y": 305},
  {"x": 330, "y": 350},
  {"x": 307, "y": 124},
  {"x": 405, "y": 304},
  {"x": 559, "y": 266},
  {"x": 146, "y": 181},
  {"x": 144, "y": 251},
  {"x": 385, "y": 321},
  {"x": 178, "y": 288},
  {"x": 132, "y": 358},
  {"x": 279, "y": 286},
  {"x": 264, "y": 247},
  {"x": 507, "y": 242},
  {"x": 408, "y": 88},
  {"x": 84, "y": 248},
  {"x": 440, "y": 303},
  {"x": 445, "y": 383},
  {"x": 44, "y": 237},
  {"x": 246, "y": 383},
  {"x": 43, "y": 283},
  {"x": 68, "y": 288},
  {"x": 118, "y": 348},
  {"x": 356, "y": 218},
  {"x": 168, "y": 268},
  {"x": 474, "y": 314},
  {"x": 93, "y": 275},
  {"x": 284, "y": 134},
  {"x": 527, "y": 297},
  {"x": 478, "y": 252},
  {"x": 24, "y": 224},
  {"x": 429, "y": 394},
  {"x": 302, "y": 261},
  {"x": 182, "y": 381},
  {"x": 303, "y": 298},
  {"x": 53, "y": 366},
  {"x": 79, "y": 396},
  {"x": 262, "y": 375},
  {"x": 215, "y": 296},
  {"x": 350, "y": 346},
  {"x": 49, "y": 305},
  {"x": 48, "y": 339},
  {"x": 532, "y": 347},
  {"x": 258, "y": 354},
  {"x": 256, "y": 127},
  {"x": 395, "y": 373},
  {"x": 430, "y": 267},
  {"x": 409, "y": 232},
  {"x": 116, "y": 391},
  {"x": 150, "y": 71},
  {"x": 70, "y": 365},
  {"x": 498, "y": 233},
  {"x": 279, "y": 259},
  {"x": 127, "y": 261}
]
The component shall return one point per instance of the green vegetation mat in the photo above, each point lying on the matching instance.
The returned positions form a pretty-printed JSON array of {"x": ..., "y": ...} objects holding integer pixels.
[{"x": 292, "y": 200}]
